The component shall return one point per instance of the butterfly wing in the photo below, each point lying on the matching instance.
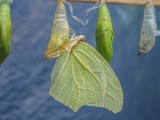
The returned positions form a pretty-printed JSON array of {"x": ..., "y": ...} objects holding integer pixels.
[
  {"x": 73, "y": 84},
  {"x": 112, "y": 96},
  {"x": 82, "y": 77},
  {"x": 5, "y": 31},
  {"x": 104, "y": 41}
]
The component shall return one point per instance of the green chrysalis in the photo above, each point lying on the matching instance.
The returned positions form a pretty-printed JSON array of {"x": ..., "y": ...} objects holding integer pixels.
[
  {"x": 81, "y": 76},
  {"x": 5, "y": 30},
  {"x": 104, "y": 41}
]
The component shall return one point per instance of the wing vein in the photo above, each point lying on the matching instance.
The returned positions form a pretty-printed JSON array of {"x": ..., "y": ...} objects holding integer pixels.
[
  {"x": 76, "y": 84},
  {"x": 64, "y": 86},
  {"x": 87, "y": 69},
  {"x": 101, "y": 68},
  {"x": 61, "y": 71}
]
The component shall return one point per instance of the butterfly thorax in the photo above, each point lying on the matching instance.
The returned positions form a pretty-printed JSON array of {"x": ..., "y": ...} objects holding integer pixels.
[
  {"x": 77, "y": 40},
  {"x": 66, "y": 46}
]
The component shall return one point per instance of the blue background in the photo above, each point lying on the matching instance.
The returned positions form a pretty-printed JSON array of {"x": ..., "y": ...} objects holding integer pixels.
[{"x": 25, "y": 78}]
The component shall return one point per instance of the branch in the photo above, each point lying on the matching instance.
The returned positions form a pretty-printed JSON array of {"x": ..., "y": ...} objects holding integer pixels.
[{"x": 129, "y": 2}]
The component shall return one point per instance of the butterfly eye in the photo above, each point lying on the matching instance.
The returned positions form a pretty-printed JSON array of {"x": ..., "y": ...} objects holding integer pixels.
[{"x": 142, "y": 33}]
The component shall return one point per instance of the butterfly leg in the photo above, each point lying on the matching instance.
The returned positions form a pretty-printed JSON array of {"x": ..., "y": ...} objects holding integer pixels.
[{"x": 73, "y": 33}]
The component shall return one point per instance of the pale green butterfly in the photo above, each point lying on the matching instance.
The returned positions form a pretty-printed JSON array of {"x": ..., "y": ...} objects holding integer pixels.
[
  {"x": 5, "y": 29},
  {"x": 81, "y": 76}
]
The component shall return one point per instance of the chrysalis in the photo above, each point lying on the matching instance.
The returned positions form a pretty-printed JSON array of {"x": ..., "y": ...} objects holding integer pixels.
[
  {"x": 81, "y": 76},
  {"x": 148, "y": 30},
  {"x": 5, "y": 30},
  {"x": 104, "y": 41},
  {"x": 60, "y": 32}
]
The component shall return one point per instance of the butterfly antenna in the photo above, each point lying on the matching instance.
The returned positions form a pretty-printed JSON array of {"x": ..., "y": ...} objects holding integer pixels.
[{"x": 96, "y": 34}]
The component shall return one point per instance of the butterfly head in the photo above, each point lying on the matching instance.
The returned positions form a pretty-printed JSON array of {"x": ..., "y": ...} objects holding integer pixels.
[{"x": 81, "y": 38}]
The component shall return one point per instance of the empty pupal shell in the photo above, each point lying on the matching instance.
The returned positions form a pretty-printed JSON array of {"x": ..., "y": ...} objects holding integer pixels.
[
  {"x": 149, "y": 27},
  {"x": 60, "y": 31}
]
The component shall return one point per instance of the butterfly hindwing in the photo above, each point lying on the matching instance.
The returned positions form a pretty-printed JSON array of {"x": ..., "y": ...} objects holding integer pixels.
[{"x": 72, "y": 84}]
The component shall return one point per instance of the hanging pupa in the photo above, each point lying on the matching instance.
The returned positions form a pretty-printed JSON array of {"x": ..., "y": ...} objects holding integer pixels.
[
  {"x": 104, "y": 41},
  {"x": 5, "y": 29},
  {"x": 149, "y": 29},
  {"x": 60, "y": 32}
]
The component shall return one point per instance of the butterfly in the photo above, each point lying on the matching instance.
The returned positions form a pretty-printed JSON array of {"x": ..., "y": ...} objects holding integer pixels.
[{"x": 81, "y": 76}]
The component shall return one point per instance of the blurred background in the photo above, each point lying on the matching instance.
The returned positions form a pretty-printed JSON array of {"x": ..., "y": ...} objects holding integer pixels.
[{"x": 25, "y": 78}]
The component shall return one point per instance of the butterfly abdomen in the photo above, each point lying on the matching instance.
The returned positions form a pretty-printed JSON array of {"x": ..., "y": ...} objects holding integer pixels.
[
  {"x": 5, "y": 30},
  {"x": 104, "y": 41}
]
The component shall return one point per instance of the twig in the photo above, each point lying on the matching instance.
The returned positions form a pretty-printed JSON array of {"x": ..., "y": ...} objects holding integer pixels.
[{"x": 129, "y": 2}]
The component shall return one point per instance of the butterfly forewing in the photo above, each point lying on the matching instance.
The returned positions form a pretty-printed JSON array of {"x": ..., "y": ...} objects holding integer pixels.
[{"x": 113, "y": 95}]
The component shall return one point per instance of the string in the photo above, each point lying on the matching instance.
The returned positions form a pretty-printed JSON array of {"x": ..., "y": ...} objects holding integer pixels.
[
  {"x": 75, "y": 17},
  {"x": 95, "y": 6},
  {"x": 92, "y": 8}
]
